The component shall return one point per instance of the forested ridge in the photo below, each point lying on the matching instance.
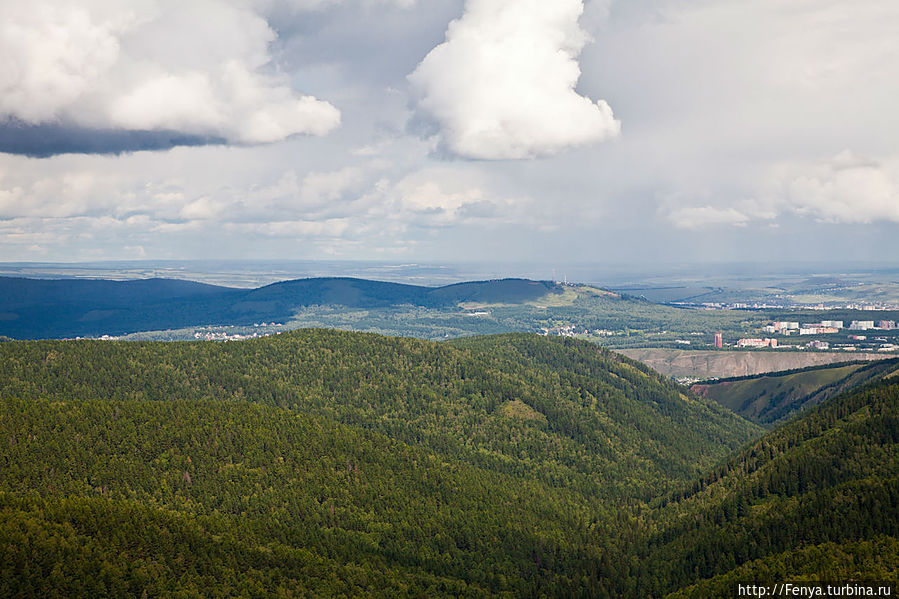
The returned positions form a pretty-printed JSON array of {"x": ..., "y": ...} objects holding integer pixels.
[
  {"x": 564, "y": 410},
  {"x": 325, "y": 463},
  {"x": 268, "y": 484},
  {"x": 37, "y": 308},
  {"x": 828, "y": 479}
]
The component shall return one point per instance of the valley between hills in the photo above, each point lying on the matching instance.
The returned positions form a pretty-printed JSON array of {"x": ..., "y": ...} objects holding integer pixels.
[
  {"x": 341, "y": 464},
  {"x": 339, "y": 299},
  {"x": 480, "y": 439}
]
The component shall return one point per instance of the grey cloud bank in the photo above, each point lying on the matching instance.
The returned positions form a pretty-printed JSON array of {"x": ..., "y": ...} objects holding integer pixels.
[
  {"x": 199, "y": 68},
  {"x": 449, "y": 130}
]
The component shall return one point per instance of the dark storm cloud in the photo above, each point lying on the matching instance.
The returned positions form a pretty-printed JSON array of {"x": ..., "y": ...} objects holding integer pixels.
[{"x": 43, "y": 141}]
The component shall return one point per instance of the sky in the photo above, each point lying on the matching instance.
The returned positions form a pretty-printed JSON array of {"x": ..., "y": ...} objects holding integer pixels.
[{"x": 438, "y": 130}]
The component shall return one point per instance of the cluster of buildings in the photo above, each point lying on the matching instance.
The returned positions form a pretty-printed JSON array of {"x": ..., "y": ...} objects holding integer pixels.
[
  {"x": 757, "y": 343},
  {"x": 814, "y": 344},
  {"x": 565, "y": 331},
  {"x": 819, "y": 328},
  {"x": 864, "y": 325},
  {"x": 876, "y": 306},
  {"x": 226, "y": 336},
  {"x": 571, "y": 330},
  {"x": 817, "y": 344},
  {"x": 826, "y": 327}
]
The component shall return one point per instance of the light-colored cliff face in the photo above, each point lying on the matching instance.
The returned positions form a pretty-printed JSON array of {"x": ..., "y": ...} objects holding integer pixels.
[{"x": 723, "y": 364}]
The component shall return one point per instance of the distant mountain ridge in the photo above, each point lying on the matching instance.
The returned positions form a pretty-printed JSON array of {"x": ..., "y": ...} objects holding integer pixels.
[{"x": 38, "y": 308}]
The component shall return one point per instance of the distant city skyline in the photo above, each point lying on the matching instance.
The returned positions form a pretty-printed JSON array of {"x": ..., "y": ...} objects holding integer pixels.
[{"x": 451, "y": 131}]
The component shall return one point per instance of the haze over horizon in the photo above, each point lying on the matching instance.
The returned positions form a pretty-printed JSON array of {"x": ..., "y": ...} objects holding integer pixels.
[{"x": 594, "y": 131}]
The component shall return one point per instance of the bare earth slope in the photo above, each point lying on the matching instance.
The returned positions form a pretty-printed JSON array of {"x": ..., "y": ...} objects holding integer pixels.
[{"x": 726, "y": 364}]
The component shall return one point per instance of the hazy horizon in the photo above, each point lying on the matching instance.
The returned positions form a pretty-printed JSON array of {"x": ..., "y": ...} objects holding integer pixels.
[{"x": 249, "y": 273}]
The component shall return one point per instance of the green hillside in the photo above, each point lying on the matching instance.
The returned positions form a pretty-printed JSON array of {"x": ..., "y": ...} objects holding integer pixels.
[
  {"x": 872, "y": 561},
  {"x": 324, "y": 463},
  {"x": 817, "y": 499},
  {"x": 110, "y": 498},
  {"x": 607, "y": 425},
  {"x": 770, "y": 398}
]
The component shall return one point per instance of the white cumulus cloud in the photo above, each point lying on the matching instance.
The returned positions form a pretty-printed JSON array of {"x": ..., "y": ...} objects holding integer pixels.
[
  {"x": 502, "y": 85},
  {"x": 846, "y": 189},
  {"x": 201, "y": 67}
]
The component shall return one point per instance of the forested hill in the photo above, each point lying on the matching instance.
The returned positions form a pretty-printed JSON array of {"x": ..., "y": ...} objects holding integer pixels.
[
  {"x": 35, "y": 308},
  {"x": 816, "y": 499},
  {"x": 333, "y": 464},
  {"x": 327, "y": 463},
  {"x": 558, "y": 409}
]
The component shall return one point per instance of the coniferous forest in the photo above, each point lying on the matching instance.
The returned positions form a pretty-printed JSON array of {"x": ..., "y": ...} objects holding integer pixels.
[{"x": 324, "y": 463}]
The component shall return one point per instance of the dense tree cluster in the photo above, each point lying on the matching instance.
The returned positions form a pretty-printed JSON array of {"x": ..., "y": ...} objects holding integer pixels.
[
  {"x": 323, "y": 463},
  {"x": 828, "y": 478},
  {"x": 605, "y": 424}
]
